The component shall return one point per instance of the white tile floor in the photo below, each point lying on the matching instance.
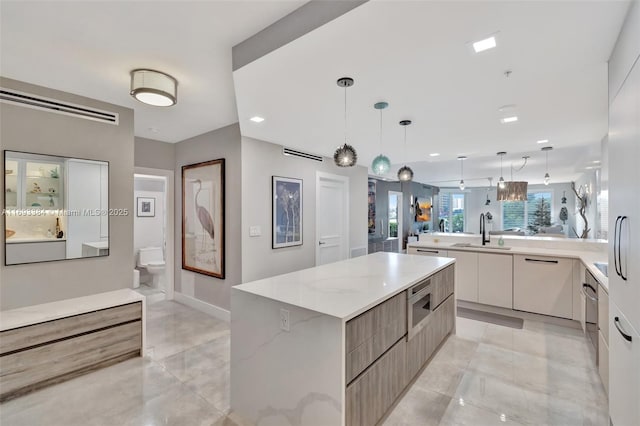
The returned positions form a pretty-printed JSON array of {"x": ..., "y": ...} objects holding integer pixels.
[{"x": 485, "y": 375}]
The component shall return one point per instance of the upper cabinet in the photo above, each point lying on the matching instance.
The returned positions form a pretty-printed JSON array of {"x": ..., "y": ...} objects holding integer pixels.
[{"x": 33, "y": 183}]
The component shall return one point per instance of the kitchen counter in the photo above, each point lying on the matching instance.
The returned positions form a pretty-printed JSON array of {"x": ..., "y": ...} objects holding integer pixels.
[
  {"x": 348, "y": 288},
  {"x": 29, "y": 315},
  {"x": 14, "y": 240},
  {"x": 587, "y": 257},
  {"x": 337, "y": 341}
]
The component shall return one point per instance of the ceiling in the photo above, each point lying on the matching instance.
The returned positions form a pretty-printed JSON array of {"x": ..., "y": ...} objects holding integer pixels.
[
  {"x": 90, "y": 48},
  {"x": 416, "y": 56}
]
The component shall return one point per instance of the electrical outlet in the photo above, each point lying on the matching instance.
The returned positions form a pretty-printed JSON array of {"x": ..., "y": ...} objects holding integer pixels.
[
  {"x": 284, "y": 320},
  {"x": 255, "y": 231}
]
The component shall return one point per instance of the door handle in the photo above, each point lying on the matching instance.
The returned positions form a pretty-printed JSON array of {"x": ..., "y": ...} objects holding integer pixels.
[
  {"x": 540, "y": 260},
  {"x": 626, "y": 336},
  {"x": 584, "y": 291},
  {"x": 321, "y": 243},
  {"x": 615, "y": 245},
  {"x": 622, "y": 275}
]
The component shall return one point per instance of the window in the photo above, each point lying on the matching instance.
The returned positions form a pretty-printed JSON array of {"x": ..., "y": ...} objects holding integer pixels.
[
  {"x": 529, "y": 216},
  {"x": 393, "y": 215},
  {"x": 451, "y": 212}
]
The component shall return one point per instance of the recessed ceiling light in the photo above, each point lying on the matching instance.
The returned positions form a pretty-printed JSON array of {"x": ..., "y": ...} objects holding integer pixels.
[
  {"x": 543, "y": 141},
  {"x": 257, "y": 119},
  {"x": 434, "y": 154},
  {"x": 510, "y": 119},
  {"x": 486, "y": 44}
]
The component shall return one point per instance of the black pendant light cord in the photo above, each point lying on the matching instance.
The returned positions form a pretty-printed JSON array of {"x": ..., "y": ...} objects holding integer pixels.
[{"x": 345, "y": 115}]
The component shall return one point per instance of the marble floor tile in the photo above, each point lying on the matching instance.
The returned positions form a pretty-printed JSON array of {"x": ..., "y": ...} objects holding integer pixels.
[
  {"x": 419, "y": 406},
  {"x": 484, "y": 375}
]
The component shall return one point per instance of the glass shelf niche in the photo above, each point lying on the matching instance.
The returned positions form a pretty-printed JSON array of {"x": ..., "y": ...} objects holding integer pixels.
[{"x": 11, "y": 184}]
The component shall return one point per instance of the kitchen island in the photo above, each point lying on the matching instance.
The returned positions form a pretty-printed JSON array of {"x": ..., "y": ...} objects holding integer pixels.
[{"x": 337, "y": 344}]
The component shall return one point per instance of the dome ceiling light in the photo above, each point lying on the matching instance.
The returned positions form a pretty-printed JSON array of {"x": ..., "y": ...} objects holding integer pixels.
[{"x": 154, "y": 87}]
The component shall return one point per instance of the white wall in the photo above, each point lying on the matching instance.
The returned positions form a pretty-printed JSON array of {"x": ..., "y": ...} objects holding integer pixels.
[
  {"x": 221, "y": 143},
  {"x": 27, "y": 129},
  {"x": 260, "y": 161}
]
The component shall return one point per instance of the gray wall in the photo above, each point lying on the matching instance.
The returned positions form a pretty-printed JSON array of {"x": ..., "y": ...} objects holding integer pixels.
[
  {"x": 154, "y": 154},
  {"x": 260, "y": 161},
  {"x": 25, "y": 129},
  {"x": 221, "y": 143}
]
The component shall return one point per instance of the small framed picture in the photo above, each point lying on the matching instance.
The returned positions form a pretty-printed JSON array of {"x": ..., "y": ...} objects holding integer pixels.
[
  {"x": 146, "y": 207},
  {"x": 287, "y": 212}
]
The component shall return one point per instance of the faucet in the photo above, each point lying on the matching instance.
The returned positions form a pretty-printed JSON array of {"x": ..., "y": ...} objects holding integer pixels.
[{"x": 483, "y": 231}]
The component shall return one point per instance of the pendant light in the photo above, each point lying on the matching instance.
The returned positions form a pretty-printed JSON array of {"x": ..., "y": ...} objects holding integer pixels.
[
  {"x": 405, "y": 174},
  {"x": 345, "y": 155},
  {"x": 488, "y": 202},
  {"x": 501, "y": 180},
  {"x": 461, "y": 158},
  {"x": 514, "y": 191},
  {"x": 546, "y": 150},
  {"x": 381, "y": 163}
]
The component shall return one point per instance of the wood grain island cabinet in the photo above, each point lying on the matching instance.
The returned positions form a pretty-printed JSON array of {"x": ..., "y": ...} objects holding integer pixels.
[{"x": 355, "y": 339}]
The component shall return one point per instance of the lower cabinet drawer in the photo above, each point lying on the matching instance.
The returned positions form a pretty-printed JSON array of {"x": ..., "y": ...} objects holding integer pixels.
[
  {"x": 424, "y": 343},
  {"x": 369, "y": 397},
  {"x": 26, "y": 370}
]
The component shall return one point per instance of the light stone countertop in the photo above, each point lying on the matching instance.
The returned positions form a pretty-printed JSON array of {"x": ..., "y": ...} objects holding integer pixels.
[
  {"x": 586, "y": 257},
  {"x": 14, "y": 240},
  {"x": 35, "y": 314},
  {"x": 347, "y": 288}
]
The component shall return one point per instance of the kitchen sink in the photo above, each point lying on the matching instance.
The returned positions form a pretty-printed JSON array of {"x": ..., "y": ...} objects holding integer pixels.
[
  {"x": 603, "y": 267},
  {"x": 469, "y": 245}
]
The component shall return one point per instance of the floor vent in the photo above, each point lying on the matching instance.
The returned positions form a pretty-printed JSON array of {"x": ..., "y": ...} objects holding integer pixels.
[
  {"x": 295, "y": 153},
  {"x": 52, "y": 105}
]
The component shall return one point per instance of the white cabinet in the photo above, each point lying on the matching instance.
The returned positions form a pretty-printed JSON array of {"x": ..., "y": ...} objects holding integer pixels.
[
  {"x": 466, "y": 274},
  {"x": 17, "y": 253},
  {"x": 624, "y": 370},
  {"x": 543, "y": 285},
  {"x": 624, "y": 203},
  {"x": 426, "y": 251},
  {"x": 495, "y": 279}
]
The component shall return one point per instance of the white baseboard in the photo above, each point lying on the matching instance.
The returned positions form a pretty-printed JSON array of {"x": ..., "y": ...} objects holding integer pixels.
[{"x": 207, "y": 308}]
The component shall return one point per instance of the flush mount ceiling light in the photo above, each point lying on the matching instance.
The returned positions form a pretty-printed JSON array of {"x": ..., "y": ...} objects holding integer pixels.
[
  {"x": 405, "y": 174},
  {"x": 510, "y": 119},
  {"x": 154, "y": 87},
  {"x": 546, "y": 150},
  {"x": 501, "y": 183},
  {"x": 257, "y": 119},
  {"x": 485, "y": 44},
  {"x": 541, "y": 141},
  {"x": 461, "y": 158},
  {"x": 345, "y": 155},
  {"x": 381, "y": 164},
  {"x": 434, "y": 154}
]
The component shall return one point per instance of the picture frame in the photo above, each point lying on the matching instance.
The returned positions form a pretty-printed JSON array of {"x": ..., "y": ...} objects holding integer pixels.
[
  {"x": 146, "y": 206},
  {"x": 287, "y": 214},
  {"x": 203, "y": 218}
]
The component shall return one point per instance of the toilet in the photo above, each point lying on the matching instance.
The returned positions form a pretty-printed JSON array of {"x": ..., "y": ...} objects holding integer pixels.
[{"x": 152, "y": 259}]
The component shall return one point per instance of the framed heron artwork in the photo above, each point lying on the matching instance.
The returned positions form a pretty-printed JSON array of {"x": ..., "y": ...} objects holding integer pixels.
[
  {"x": 203, "y": 218},
  {"x": 287, "y": 212}
]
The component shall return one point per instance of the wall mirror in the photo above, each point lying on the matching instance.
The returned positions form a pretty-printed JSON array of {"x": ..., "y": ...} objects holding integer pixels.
[{"x": 55, "y": 208}]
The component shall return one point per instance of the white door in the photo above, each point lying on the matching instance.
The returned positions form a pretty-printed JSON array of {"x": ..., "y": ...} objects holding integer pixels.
[{"x": 332, "y": 218}]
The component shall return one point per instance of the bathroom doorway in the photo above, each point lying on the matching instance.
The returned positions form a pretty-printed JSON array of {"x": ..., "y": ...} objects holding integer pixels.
[{"x": 153, "y": 218}]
